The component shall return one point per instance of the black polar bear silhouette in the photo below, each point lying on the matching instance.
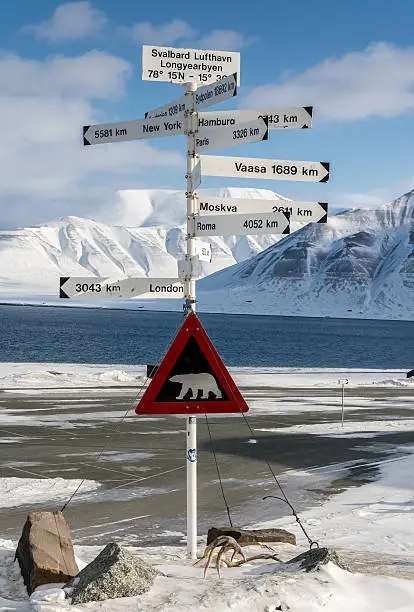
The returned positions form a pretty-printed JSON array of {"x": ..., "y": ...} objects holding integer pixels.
[{"x": 206, "y": 383}]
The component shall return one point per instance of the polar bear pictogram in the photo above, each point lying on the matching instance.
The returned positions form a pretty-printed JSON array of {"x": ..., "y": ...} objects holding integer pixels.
[{"x": 204, "y": 382}]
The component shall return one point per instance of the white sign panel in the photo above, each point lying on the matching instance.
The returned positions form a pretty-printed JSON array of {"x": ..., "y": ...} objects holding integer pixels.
[
  {"x": 188, "y": 65},
  {"x": 93, "y": 287},
  {"x": 204, "y": 251},
  {"x": 189, "y": 268},
  {"x": 131, "y": 130},
  {"x": 265, "y": 169},
  {"x": 278, "y": 118},
  {"x": 311, "y": 212},
  {"x": 230, "y": 136},
  {"x": 238, "y": 225},
  {"x": 203, "y": 97},
  {"x": 196, "y": 175}
]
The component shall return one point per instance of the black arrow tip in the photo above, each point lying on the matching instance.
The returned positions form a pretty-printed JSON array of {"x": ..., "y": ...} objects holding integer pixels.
[
  {"x": 62, "y": 281},
  {"x": 85, "y": 129},
  {"x": 286, "y": 230},
  {"x": 324, "y": 206},
  {"x": 309, "y": 110},
  {"x": 325, "y": 178}
]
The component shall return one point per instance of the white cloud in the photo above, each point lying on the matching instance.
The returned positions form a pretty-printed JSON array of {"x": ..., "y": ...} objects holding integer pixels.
[
  {"x": 376, "y": 82},
  {"x": 45, "y": 171},
  {"x": 178, "y": 30},
  {"x": 165, "y": 34},
  {"x": 224, "y": 40},
  {"x": 70, "y": 21},
  {"x": 92, "y": 75}
]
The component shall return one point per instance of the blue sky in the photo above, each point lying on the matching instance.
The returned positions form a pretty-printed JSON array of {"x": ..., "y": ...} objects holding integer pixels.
[{"x": 63, "y": 65}]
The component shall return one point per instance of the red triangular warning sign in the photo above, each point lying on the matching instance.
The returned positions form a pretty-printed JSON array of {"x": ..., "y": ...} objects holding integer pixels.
[{"x": 192, "y": 379}]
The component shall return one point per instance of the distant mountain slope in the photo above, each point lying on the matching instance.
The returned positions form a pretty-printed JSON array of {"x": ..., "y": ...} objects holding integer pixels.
[
  {"x": 361, "y": 263},
  {"x": 145, "y": 237}
]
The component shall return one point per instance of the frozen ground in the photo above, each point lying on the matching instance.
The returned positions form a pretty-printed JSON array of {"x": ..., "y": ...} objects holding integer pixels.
[
  {"x": 295, "y": 414},
  {"x": 52, "y": 375}
]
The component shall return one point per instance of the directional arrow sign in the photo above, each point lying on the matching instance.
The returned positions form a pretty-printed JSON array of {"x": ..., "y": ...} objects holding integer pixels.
[
  {"x": 204, "y": 96},
  {"x": 203, "y": 250},
  {"x": 273, "y": 169},
  {"x": 230, "y": 136},
  {"x": 278, "y": 118},
  {"x": 131, "y": 130},
  {"x": 311, "y": 212},
  {"x": 227, "y": 225},
  {"x": 93, "y": 287},
  {"x": 188, "y": 65}
]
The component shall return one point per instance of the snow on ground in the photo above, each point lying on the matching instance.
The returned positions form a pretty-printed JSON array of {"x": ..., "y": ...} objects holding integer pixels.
[
  {"x": 53, "y": 375},
  {"x": 377, "y": 517},
  {"x": 19, "y": 491},
  {"x": 357, "y": 429},
  {"x": 372, "y": 526},
  {"x": 374, "y": 518}
]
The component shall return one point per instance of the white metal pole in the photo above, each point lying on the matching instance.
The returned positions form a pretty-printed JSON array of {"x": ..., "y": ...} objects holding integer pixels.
[
  {"x": 190, "y": 302},
  {"x": 192, "y": 487},
  {"x": 342, "y": 413}
]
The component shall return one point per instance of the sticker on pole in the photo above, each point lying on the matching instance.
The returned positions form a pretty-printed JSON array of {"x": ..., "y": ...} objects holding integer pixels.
[{"x": 192, "y": 379}]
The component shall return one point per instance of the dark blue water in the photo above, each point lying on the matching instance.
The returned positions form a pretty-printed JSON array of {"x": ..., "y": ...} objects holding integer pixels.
[{"x": 83, "y": 335}]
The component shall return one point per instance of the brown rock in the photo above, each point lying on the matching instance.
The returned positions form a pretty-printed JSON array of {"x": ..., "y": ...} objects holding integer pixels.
[
  {"x": 45, "y": 550},
  {"x": 251, "y": 536}
]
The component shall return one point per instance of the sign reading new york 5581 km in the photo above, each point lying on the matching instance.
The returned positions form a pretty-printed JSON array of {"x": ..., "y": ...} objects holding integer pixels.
[{"x": 188, "y": 65}]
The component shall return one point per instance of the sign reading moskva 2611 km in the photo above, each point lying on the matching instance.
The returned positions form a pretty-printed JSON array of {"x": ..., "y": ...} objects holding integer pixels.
[
  {"x": 265, "y": 169},
  {"x": 188, "y": 65}
]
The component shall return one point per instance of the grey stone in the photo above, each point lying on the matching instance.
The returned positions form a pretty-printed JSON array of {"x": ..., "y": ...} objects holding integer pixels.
[
  {"x": 314, "y": 558},
  {"x": 45, "y": 550},
  {"x": 114, "y": 573}
]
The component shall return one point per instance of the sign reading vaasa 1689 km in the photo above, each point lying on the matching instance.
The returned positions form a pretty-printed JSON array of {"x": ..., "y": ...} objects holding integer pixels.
[
  {"x": 93, "y": 287},
  {"x": 311, "y": 212},
  {"x": 226, "y": 225},
  {"x": 131, "y": 130},
  {"x": 188, "y": 65},
  {"x": 203, "y": 97},
  {"x": 265, "y": 169}
]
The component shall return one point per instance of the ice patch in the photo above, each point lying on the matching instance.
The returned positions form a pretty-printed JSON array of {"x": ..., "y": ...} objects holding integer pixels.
[{"x": 29, "y": 491}]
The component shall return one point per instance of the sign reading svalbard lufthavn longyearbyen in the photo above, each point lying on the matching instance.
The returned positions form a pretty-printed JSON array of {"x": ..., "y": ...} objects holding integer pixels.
[{"x": 192, "y": 379}]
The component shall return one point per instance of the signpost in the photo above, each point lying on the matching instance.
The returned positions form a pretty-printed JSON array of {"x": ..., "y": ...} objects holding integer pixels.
[
  {"x": 278, "y": 118},
  {"x": 230, "y": 136},
  {"x": 205, "y": 96},
  {"x": 131, "y": 130},
  {"x": 265, "y": 169},
  {"x": 197, "y": 66},
  {"x": 311, "y": 212},
  {"x": 93, "y": 287},
  {"x": 226, "y": 225},
  {"x": 343, "y": 382},
  {"x": 192, "y": 379}
]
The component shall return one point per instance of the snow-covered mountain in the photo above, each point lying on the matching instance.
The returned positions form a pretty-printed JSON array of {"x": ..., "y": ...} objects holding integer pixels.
[
  {"x": 143, "y": 235},
  {"x": 359, "y": 264}
]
